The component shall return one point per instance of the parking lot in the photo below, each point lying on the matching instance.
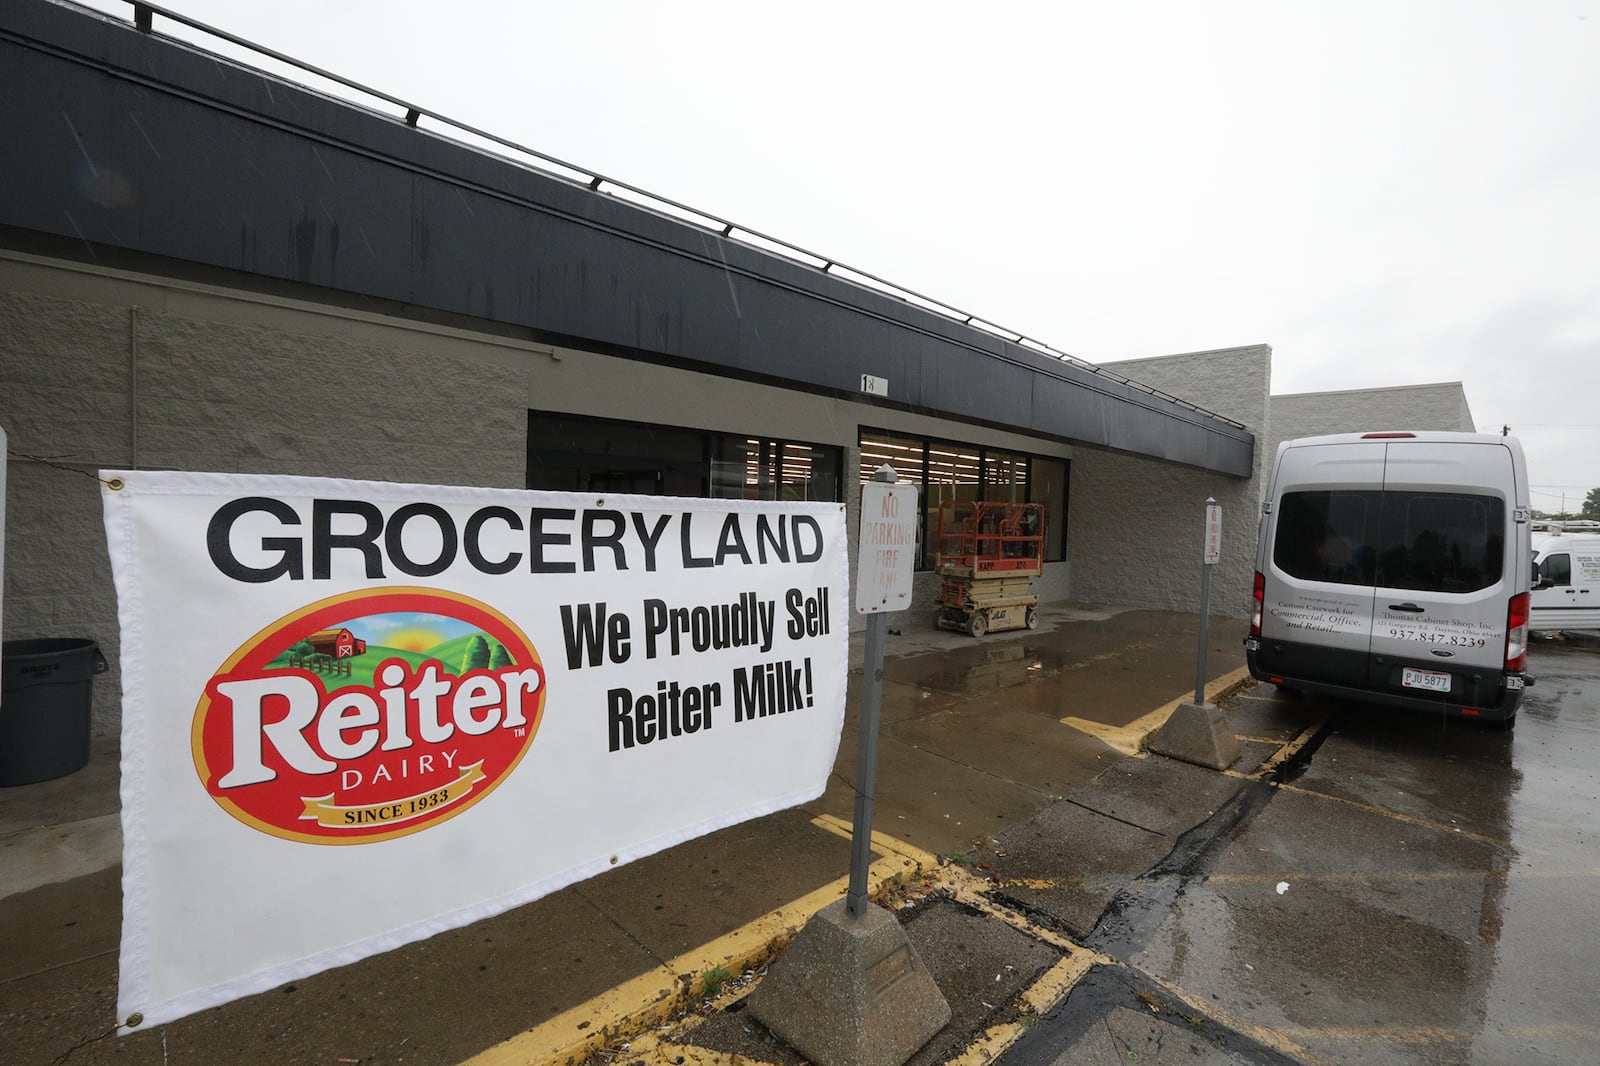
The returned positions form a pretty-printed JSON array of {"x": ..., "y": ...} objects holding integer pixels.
[
  {"x": 1410, "y": 890},
  {"x": 1362, "y": 886}
]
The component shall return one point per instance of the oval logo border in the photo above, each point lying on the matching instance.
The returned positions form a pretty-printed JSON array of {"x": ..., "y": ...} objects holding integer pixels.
[{"x": 361, "y": 598}]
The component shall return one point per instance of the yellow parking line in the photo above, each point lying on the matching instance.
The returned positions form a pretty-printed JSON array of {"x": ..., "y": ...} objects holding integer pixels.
[
  {"x": 1128, "y": 738},
  {"x": 1558, "y": 1030},
  {"x": 1367, "y": 877},
  {"x": 1395, "y": 815},
  {"x": 668, "y": 1052},
  {"x": 1049, "y": 989},
  {"x": 1272, "y": 1038},
  {"x": 1437, "y": 1034},
  {"x": 880, "y": 841},
  {"x": 1041, "y": 884},
  {"x": 636, "y": 1012},
  {"x": 1041, "y": 996},
  {"x": 1046, "y": 991},
  {"x": 1290, "y": 750},
  {"x": 970, "y": 890},
  {"x": 653, "y": 997},
  {"x": 644, "y": 1005}
]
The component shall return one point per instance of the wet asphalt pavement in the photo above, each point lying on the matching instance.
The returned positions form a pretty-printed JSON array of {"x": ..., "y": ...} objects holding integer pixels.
[
  {"x": 1362, "y": 886},
  {"x": 1404, "y": 889},
  {"x": 972, "y": 740}
]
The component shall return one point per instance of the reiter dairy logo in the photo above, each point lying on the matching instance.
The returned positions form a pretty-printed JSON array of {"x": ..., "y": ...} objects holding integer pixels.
[{"x": 368, "y": 716}]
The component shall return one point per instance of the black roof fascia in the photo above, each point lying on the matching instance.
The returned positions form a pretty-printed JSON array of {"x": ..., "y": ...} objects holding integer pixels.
[{"x": 140, "y": 142}]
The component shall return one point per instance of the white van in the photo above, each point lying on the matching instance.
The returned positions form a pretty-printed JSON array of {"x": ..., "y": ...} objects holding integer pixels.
[
  {"x": 1566, "y": 586},
  {"x": 1395, "y": 568}
]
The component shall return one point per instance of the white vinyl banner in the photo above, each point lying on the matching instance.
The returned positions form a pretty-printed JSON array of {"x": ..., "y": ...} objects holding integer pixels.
[{"x": 356, "y": 714}]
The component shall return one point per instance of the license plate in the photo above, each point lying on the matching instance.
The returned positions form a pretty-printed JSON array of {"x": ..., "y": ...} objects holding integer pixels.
[{"x": 1432, "y": 680}]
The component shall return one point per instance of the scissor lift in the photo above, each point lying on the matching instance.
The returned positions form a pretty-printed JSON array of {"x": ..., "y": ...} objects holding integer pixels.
[{"x": 988, "y": 555}]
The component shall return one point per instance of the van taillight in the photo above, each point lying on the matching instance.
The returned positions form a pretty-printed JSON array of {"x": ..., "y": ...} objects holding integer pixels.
[
  {"x": 1517, "y": 633},
  {"x": 1258, "y": 595},
  {"x": 1385, "y": 436}
]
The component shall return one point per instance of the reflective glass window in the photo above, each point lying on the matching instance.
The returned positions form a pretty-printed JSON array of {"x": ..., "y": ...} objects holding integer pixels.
[
  {"x": 574, "y": 453},
  {"x": 1556, "y": 569},
  {"x": 1440, "y": 541},
  {"x": 1327, "y": 536}
]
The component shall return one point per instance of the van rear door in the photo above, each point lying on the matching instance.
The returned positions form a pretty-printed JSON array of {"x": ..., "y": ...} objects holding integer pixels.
[
  {"x": 1442, "y": 584},
  {"x": 1318, "y": 596}
]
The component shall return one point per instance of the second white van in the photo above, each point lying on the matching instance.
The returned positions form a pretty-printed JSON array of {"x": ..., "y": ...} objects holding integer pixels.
[
  {"x": 1395, "y": 568},
  {"x": 1566, "y": 587}
]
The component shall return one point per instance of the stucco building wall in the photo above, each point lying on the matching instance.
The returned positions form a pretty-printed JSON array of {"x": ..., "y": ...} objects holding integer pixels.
[
  {"x": 105, "y": 369},
  {"x": 1136, "y": 526},
  {"x": 1441, "y": 406}
]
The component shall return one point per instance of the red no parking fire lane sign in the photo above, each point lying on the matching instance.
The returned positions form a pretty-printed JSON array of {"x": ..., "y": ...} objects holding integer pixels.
[
  {"x": 887, "y": 547},
  {"x": 1213, "y": 545}
]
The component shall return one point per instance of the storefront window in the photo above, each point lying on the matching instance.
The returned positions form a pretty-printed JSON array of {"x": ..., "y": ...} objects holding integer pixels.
[
  {"x": 953, "y": 472},
  {"x": 741, "y": 468},
  {"x": 1005, "y": 477},
  {"x": 808, "y": 472},
  {"x": 1049, "y": 487},
  {"x": 909, "y": 457},
  {"x": 573, "y": 453},
  {"x": 953, "y": 477}
]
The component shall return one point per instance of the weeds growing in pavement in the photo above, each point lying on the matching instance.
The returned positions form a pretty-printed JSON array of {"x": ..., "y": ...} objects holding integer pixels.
[{"x": 712, "y": 980}]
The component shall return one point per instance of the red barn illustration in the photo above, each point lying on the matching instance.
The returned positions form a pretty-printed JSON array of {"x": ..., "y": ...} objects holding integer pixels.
[{"x": 337, "y": 643}]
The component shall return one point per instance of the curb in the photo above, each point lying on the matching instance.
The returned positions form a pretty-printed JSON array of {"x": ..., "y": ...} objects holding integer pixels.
[
  {"x": 1130, "y": 739},
  {"x": 657, "y": 996},
  {"x": 641, "y": 1008}
]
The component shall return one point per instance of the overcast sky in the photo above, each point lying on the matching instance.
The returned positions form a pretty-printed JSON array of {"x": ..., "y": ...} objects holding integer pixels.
[{"x": 1388, "y": 193}]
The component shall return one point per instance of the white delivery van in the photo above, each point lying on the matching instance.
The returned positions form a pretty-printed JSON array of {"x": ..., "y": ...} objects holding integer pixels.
[
  {"x": 1395, "y": 568},
  {"x": 1566, "y": 586}
]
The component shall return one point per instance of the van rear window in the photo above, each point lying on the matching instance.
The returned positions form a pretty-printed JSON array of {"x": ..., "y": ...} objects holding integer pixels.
[
  {"x": 1327, "y": 536},
  {"x": 1423, "y": 541},
  {"x": 1440, "y": 542}
]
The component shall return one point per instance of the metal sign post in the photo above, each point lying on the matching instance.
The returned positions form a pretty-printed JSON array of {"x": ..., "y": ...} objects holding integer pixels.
[
  {"x": 1213, "y": 552},
  {"x": 1197, "y": 731},
  {"x": 883, "y": 584},
  {"x": 852, "y": 966}
]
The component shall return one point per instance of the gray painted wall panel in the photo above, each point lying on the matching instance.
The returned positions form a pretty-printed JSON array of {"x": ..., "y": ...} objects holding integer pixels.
[{"x": 143, "y": 144}]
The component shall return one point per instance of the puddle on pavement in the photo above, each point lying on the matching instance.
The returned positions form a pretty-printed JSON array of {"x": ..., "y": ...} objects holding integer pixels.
[{"x": 983, "y": 668}]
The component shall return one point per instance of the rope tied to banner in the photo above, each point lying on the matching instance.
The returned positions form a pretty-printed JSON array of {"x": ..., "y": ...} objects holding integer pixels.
[{"x": 114, "y": 484}]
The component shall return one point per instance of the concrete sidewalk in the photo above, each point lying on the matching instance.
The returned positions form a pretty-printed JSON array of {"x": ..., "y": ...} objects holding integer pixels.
[{"x": 974, "y": 759}]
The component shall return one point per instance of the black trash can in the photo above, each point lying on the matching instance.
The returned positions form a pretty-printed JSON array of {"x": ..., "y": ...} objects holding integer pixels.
[{"x": 46, "y": 689}]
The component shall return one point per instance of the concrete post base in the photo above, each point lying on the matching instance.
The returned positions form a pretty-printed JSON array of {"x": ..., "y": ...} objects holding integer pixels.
[
  {"x": 1197, "y": 733},
  {"x": 851, "y": 991}
]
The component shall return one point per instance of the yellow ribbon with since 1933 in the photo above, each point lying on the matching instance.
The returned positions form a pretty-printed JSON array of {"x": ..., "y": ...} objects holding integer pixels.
[{"x": 323, "y": 811}]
